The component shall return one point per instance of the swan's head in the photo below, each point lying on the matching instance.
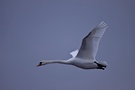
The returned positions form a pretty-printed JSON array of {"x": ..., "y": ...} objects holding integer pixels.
[{"x": 41, "y": 63}]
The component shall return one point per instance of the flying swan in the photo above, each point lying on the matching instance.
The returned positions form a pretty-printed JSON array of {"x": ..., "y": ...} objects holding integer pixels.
[{"x": 85, "y": 57}]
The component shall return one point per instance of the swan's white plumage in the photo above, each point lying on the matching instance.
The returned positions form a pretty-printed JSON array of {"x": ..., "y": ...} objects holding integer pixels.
[{"x": 85, "y": 56}]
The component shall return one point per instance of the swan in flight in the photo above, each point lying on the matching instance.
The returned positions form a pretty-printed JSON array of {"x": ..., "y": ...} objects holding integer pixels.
[{"x": 85, "y": 57}]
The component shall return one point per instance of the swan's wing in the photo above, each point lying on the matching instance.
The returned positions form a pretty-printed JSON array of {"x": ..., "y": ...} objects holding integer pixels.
[
  {"x": 89, "y": 47},
  {"x": 74, "y": 53}
]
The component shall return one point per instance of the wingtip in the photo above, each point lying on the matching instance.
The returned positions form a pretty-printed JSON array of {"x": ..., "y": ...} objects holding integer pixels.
[{"x": 103, "y": 25}]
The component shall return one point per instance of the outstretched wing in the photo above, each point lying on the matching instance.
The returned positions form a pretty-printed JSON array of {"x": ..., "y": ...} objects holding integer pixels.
[{"x": 89, "y": 47}]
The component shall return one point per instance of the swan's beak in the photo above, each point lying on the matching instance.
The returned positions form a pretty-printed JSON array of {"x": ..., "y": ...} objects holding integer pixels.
[
  {"x": 40, "y": 64},
  {"x": 37, "y": 65}
]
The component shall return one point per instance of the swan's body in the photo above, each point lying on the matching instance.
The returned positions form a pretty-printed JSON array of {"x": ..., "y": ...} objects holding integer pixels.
[{"x": 85, "y": 56}]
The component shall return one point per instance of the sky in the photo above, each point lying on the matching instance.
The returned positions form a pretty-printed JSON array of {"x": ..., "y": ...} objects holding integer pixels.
[{"x": 33, "y": 30}]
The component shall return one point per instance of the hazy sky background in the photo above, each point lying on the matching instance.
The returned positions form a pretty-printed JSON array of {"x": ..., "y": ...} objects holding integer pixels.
[{"x": 32, "y": 30}]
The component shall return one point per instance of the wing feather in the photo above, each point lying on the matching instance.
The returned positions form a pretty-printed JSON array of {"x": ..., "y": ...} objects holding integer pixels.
[
  {"x": 90, "y": 43},
  {"x": 74, "y": 53}
]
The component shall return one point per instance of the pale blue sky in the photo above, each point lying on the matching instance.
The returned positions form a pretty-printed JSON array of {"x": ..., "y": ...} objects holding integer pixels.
[{"x": 32, "y": 30}]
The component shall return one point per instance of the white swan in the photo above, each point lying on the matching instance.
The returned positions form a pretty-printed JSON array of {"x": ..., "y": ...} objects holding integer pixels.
[{"x": 85, "y": 57}]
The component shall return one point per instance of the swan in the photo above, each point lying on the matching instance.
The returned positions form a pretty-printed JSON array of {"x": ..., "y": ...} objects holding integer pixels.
[{"x": 85, "y": 56}]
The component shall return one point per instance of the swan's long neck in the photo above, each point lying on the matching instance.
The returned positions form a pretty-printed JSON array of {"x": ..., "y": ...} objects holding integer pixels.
[{"x": 55, "y": 61}]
